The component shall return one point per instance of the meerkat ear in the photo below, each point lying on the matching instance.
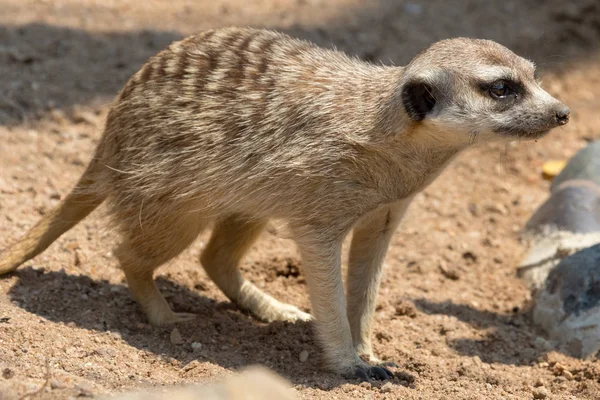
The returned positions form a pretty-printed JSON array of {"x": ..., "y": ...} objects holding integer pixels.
[{"x": 418, "y": 99}]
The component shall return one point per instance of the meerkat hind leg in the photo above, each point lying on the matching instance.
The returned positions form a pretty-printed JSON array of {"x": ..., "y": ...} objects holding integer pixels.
[
  {"x": 230, "y": 240},
  {"x": 147, "y": 295},
  {"x": 144, "y": 249}
]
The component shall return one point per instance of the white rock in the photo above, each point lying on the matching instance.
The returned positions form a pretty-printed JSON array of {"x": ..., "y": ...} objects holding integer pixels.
[
  {"x": 567, "y": 306},
  {"x": 196, "y": 346},
  {"x": 303, "y": 357},
  {"x": 176, "y": 336}
]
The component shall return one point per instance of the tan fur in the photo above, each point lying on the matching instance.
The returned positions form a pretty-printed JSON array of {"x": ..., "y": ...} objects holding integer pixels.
[{"x": 238, "y": 126}]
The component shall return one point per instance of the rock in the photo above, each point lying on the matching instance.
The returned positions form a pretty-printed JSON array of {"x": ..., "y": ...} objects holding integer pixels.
[
  {"x": 567, "y": 374},
  {"x": 303, "y": 357},
  {"x": 567, "y": 307},
  {"x": 547, "y": 250},
  {"x": 584, "y": 165},
  {"x": 550, "y": 169},
  {"x": 365, "y": 385},
  {"x": 562, "y": 267},
  {"x": 85, "y": 389},
  {"x": 58, "y": 116},
  {"x": 450, "y": 273},
  {"x": 539, "y": 383},
  {"x": 56, "y": 384},
  {"x": 558, "y": 369},
  {"x": 497, "y": 208},
  {"x": 542, "y": 344},
  {"x": 253, "y": 383},
  {"x": 387, "y": 388},
  {"x": 114, "y": 335},
  {"x": 196, "y": 346},
  {"x": 540, "y": 393},
  {"x": 574, "y": 206},
  {"x": 106, "y": 352},
  {"x": 176, "y": 337}
]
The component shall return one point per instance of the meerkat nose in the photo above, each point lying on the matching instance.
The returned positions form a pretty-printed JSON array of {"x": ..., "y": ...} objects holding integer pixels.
[{"x": 562, "y": 114}]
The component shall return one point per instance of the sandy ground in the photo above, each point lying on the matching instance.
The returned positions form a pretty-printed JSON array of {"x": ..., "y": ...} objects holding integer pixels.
[{"x": 451, "y": 312}]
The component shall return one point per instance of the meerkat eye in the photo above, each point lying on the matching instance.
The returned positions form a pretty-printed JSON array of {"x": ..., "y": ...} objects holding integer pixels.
[{"x": 501, "y": 89}]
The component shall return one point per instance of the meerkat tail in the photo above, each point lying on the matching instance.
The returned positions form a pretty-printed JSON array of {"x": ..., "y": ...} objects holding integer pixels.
[{"x": 77, "y": 205}]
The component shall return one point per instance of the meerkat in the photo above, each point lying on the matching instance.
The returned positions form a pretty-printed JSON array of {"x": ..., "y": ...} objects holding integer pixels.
[{"x": 234, "y": 127}]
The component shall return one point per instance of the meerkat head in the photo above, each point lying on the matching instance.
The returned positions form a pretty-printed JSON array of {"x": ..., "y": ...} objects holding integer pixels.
[{"x": 477, "y": 89}]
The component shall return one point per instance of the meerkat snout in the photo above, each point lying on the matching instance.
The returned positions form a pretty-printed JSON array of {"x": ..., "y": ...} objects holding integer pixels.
[{"x": 562, "y": 114}]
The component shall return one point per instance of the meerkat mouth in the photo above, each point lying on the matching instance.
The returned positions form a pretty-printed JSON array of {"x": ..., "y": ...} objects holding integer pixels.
[
  {"x": 530, "y": 134},
  {"x": 527, "y": 134}
]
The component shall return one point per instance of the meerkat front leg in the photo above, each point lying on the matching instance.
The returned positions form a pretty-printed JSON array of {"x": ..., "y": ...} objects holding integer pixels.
[
  {"x": 370, "y": 241},
  {"x": 320, "y": 250}
]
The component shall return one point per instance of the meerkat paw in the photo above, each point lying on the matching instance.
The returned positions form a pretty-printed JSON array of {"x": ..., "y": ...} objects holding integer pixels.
[
  {"x": 267, "y": 308},
  {"x": 365, "y": 372},
  {"x": 171, "y": 318},
  {"x": 283, "y": 312},
  {"x": 183, "y": 317},
  {"x": 388, "y": 364},
  {"x": 288, "y": 312}
]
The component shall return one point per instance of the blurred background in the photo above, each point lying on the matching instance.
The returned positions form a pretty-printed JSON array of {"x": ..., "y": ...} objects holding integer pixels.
[{"x": 56, "y": 53}]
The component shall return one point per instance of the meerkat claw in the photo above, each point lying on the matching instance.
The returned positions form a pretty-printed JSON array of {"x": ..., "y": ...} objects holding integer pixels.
[
  {"x": 389, "y": 364},
  {"x": 174, "y": 318},
  {"x": 365, "y": 373},
  {"x": 184, "y": 317},
  {"x": 361, "y": 374},
  {"x": 380, "y": 373}
]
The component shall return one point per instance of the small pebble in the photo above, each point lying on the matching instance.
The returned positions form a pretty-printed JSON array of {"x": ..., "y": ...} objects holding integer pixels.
[
  {"x": 55, "y": 384},
  {"x": 85, "y": 389},
  {"x": 7, "y": 373},
  {"x": 542, "y": 343},
  {"x": 303, "y": 356},
  {"x": 176, "y": 336},
  {"x": 448, "y": 272},
  {"x": 539, "y": 382},
  {"x": 196, "y": 346},
  {"x": 567, "y": 374},
  {"x": 115, "y": 335},
  {"x": 387, "y": 388},
  {"x": 540, "y": 393}
]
